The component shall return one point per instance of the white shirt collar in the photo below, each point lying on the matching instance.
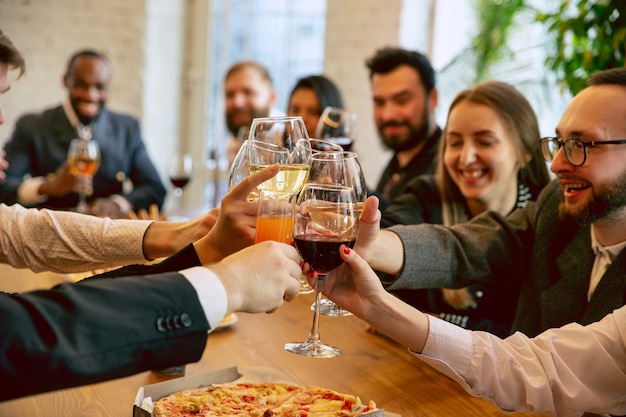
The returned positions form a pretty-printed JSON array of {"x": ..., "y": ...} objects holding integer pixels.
[
  {"x": 73, "y": 118},
  {"x": 611, "y": 250}
]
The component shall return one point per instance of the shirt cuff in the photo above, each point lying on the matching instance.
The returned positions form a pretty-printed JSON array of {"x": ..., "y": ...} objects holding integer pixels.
[
  {"x": 448, "y": 349},
  {"x": 123, "y": 203},
  {"x": 28, "y": 191},
  {"x": 211, "y": 293}
]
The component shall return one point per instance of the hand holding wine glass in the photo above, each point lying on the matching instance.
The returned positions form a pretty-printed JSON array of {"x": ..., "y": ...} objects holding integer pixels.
[
  {"x": 340, "y": 168},
  {"x": 326, "y": 217},
  {"x": 83, "y": 158}
]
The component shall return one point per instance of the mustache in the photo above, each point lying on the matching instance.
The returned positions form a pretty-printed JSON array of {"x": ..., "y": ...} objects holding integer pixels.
[{"x": 393, "y": 123}]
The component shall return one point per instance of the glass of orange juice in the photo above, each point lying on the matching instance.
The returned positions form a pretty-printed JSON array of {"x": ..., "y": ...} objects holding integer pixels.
[{"x": 275, "y": 217}]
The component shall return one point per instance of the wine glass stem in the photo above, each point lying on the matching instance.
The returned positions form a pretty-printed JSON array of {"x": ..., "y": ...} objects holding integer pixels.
[
  {"x": 82, "y": 202},
  {"x": 314, "y": 334}
]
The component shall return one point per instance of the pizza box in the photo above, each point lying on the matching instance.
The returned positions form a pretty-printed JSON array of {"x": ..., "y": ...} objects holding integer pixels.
[{"x": 148, "y": 393}]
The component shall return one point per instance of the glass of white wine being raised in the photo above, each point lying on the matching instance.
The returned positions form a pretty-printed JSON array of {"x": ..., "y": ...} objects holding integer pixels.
[{"x": 326, "y": 217}]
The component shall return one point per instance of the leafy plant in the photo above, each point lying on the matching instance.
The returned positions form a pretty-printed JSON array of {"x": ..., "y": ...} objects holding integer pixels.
[{"x": 589, "y": 35}]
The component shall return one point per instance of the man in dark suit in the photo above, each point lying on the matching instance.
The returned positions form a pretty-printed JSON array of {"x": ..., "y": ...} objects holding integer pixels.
[
  {"x": 565, "y": 254},
  {"x": 102, "y": 328},
  {"x": 38, "y": 174}
]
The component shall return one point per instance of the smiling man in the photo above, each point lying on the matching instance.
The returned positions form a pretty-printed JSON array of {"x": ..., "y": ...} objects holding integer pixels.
[
  {"x": 248, "y": 93},
  {"x": 38, "y": 175},
  {"x": 565, "y": 252},
  {"x": 405, "y": 98}
]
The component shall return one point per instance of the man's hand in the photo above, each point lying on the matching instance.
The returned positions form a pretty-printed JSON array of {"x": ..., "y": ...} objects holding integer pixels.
[
  {"x": 259, "y": 278},
  {"x": 105, "y": 207},
  {"x": 63, "y": 182}
]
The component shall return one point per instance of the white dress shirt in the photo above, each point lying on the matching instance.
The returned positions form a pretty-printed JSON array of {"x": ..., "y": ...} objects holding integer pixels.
[{"x": 561, "y": 372}]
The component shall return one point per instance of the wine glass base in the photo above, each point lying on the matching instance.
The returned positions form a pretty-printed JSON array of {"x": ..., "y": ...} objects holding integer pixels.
[
  {"x": 313, "y": 349},
  {"x": 305, "y": 288},
  {"x": 330, "y": 309}
]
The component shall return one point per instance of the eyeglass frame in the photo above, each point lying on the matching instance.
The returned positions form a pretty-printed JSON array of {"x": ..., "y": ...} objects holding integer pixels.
[{"x": 549, "y": 157}]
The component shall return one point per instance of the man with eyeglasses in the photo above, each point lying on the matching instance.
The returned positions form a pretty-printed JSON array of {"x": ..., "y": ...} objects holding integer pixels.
[{"x": 563, "y": 254}]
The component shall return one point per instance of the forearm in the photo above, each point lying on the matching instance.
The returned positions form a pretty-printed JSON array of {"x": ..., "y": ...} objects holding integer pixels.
[
  {"x": 165, "y": 238},
  {"x": 67, "y": 242},
  {"x": 400, "y": 321}
]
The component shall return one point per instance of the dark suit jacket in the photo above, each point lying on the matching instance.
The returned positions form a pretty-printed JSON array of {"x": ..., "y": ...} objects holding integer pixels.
[
  {"x": 97, "y": 329},
  {"x": 551, "y": 259},
  {"x": 395, "y": 179},
  {"x": 39, "y": 146}
]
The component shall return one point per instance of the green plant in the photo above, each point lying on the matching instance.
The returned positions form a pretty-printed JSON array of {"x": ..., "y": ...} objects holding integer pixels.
[{"x": 589, "y": 35}]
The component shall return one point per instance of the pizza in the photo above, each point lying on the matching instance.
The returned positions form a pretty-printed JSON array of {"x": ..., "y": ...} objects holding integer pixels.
[{"x": 265, "y": 399}]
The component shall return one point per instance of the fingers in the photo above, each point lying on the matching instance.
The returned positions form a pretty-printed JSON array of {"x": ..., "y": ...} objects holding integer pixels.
[
  {"x": 153, "y": 212},
  {"x": 249, "y": 183},
  {"x": 353, "y": 259}
]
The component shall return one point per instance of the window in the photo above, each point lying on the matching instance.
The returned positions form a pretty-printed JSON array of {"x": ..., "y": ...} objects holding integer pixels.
[{"x": 286, "y": 36}]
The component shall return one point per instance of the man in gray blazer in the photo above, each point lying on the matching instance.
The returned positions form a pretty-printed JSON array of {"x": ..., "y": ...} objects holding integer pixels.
[
  {"x": 38, "y": 175},
  {"x": 563, "y": 254}
]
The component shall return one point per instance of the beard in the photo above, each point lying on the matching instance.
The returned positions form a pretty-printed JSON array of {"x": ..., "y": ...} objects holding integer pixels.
[
  {"x": 416, "y": 134},
  {"x": 86, "y": 119},
  {"x": 234, "y": 125},
  {"x": 607, "y": 200}
]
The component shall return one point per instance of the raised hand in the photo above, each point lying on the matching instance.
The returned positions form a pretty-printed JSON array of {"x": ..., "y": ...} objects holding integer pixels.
[{"x": 235, "y": 226}]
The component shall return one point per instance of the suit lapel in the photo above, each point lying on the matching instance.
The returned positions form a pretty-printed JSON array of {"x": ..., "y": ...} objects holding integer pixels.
[
  {"x": 565, "y": 301},
  {"x": 610, "y": 292}
]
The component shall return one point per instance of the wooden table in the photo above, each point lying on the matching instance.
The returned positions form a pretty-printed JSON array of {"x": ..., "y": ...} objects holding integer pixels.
[{"x": 371, "y": 366}]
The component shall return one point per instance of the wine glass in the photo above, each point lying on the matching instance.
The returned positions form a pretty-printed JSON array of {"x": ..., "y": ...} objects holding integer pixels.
[
  {"x": 179, "y": 174},
  {"x": 282, "y": 131},
  {"x": 83, "y": 157},
  {"x": 322, "y": 145},
  {"x": 341, "y": 168},
  {"x": 326, "y": 217},
  {"x": 338, "y": 126}
]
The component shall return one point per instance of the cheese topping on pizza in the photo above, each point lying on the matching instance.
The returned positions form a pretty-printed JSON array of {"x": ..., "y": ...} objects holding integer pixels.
[{"x": 267, "y": 399}]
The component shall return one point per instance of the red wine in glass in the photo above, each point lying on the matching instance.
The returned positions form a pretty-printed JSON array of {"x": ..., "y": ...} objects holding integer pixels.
[
  {"x": 345, "y": 143},
  {"x": 180, "y": 181},
  {"x": 321, "y": 252}
]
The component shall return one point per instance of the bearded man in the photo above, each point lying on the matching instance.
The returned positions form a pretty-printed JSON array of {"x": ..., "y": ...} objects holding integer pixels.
[
  {"x": 248, "y": 93},
  {"x": 563, "y": 254},
  {"x": 405, "y": 98}
]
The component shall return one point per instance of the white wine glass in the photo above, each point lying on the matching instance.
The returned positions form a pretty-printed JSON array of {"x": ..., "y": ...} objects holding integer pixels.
[
  {"x": 83, "y": 158},
  {"x": 338, "y": 126},
  {"x": 326, "y": 217},
  {"x": 282, "y": 131},
  {"x": 339, "y": 168}
]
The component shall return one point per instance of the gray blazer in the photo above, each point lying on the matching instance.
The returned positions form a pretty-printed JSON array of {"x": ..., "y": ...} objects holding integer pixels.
[
  {"x": 547, "y": 260},
  {"x": 39, "y": 146}
]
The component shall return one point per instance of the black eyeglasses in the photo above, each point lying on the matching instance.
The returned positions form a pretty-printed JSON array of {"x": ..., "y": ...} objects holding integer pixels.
[{"x": 575, "y": 149}]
